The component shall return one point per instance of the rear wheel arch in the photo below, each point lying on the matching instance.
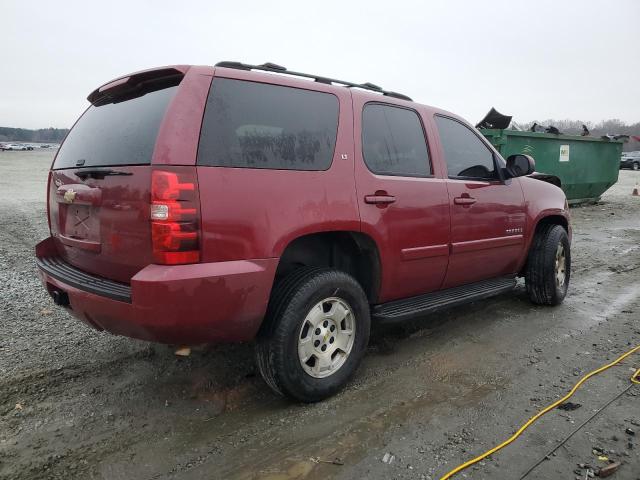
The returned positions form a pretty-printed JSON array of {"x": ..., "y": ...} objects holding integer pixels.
[{"x": 353, "y": 252}]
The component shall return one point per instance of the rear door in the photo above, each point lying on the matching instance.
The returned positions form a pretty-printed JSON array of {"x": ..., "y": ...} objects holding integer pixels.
[
  {"x": 100, "y": 180},
  {"x": 403, "y": 206},
  {"x": 487, "y": 213}
]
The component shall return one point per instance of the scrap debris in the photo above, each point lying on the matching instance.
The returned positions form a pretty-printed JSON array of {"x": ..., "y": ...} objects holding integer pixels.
[
  {"x": 609, "y": 469},
  {"x": 183, "y": 352},
  {"x": 569, "y": 406},
  {"x": 591, "y": 471},
  {"x": 388, "y": 458},
  {"x": 494, "y": 119},
  {"x": 335, "y": 461}
]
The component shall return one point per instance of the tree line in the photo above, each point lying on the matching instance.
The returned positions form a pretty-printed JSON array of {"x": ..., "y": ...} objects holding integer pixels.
[{"x": 41, "y": 135}]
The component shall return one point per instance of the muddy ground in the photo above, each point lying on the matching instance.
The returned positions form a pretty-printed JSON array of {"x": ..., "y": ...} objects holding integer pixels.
[{"x": 76, "y": 403}]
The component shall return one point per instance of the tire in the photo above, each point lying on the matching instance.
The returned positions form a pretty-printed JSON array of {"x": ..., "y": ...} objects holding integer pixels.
[
  {"x": 635, "y": 166},
  {"x": 546, "y": 285},
  {"x": 298, "y": 301}
]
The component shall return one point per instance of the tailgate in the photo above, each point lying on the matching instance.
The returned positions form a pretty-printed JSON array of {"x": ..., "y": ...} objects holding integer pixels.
[
  {"x": 101, "y": 225},
  {"x": 99, "y": 188}
]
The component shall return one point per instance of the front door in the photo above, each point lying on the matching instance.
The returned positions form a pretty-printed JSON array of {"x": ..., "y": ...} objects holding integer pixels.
[
  {"x": 487, "y": 212},
  {"x": 403, "y": 207}
]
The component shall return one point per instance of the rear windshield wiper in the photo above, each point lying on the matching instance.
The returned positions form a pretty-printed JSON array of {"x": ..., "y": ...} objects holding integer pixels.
[{"x": 99, "y": 174}]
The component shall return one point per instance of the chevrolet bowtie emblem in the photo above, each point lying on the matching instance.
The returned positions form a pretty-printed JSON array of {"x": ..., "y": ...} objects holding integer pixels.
[{"x": 69, "y": 196}]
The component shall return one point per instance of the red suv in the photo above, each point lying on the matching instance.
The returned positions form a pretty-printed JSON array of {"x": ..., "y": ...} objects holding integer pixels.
[{"x": 193, "y": 204}]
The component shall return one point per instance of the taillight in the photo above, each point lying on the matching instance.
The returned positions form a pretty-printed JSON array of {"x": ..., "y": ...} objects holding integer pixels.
[
  {"x": 49, "y": 182},
  {"x": 175, "y": 215}
]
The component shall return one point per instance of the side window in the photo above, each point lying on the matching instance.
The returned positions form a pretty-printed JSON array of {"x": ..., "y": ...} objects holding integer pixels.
[
  {"x": 393, "y": 141},
  {"x": 257, "y": 125},
  {"x": 464, "y": 152}
]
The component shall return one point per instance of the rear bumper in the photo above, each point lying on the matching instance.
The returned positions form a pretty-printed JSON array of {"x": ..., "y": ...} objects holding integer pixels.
[{"x": 181, "y": 304}]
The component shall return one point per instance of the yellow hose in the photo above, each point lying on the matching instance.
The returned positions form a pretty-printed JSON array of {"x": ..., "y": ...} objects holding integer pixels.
[{"x": 635, "y": 378}]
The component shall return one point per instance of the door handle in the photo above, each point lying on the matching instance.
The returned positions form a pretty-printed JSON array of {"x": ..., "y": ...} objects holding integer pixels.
[
  {"x": 379, "y": 199},
  {"x": 464, "y": 200}
]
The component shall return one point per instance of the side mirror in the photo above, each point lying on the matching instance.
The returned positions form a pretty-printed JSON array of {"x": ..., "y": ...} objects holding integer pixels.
[{"x": 520, "y": 165}]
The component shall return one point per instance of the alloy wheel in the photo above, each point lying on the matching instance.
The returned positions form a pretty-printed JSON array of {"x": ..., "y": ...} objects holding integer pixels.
[{"x": 326, "y": 337}]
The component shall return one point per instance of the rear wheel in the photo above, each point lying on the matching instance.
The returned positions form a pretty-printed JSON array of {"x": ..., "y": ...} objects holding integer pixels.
[
  {"x": 315, "y": 334},
  {"x": 549, "y": 266},
  {"x": 636, "y": 166}
]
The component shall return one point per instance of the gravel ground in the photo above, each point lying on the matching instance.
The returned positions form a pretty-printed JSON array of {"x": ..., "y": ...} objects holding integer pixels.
[{"x": 76, "y": 403}]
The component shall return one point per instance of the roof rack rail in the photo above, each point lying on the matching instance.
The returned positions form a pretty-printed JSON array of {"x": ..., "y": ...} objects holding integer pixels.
[{"x": 272, "y": 67}]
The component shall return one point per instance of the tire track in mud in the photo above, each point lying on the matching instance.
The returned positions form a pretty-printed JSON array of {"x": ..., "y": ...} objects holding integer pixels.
[
  {"x": 287, "y": 457},
  {"x": 291, "y": 460}
]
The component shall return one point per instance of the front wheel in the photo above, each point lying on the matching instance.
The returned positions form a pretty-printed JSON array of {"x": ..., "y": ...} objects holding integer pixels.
[
  {"x": 315, "y": 334},
  {"x": 636, "y": 166},
  {"x": 548, "y": 266}
]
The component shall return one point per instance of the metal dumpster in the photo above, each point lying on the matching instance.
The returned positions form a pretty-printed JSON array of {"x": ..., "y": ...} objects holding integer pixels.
[{"x": 587, "y": 166}]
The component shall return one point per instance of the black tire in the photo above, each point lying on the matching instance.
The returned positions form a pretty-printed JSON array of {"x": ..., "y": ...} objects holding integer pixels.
[
  {"x": 540, "y": 274},
  {"x": 635, "y": 166},
  {"x": 277, "y": 343}
]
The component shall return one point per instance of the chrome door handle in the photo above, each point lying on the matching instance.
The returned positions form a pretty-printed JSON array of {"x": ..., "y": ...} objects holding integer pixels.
[
  {"x": 464, "y": 200},
  {"x": 379, "y": 199}
]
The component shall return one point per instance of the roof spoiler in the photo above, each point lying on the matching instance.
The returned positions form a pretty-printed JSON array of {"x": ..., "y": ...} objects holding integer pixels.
[{"x": 137, "y": 84}]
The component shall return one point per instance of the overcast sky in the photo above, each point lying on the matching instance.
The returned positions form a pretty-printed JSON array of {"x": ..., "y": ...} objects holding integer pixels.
[{"x": 532, "y": 59}]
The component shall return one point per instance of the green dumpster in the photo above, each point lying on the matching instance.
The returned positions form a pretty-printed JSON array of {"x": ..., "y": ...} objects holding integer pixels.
[{"x": 586, "y": 166}]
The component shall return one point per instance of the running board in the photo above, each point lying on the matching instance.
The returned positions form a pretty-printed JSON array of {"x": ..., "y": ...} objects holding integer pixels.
[{"x": 399, "y": 310}]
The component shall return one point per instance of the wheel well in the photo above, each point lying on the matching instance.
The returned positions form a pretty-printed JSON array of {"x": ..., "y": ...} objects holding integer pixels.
[
  {"x": 550, "y": 220},
  {"x": 352, "y": 252},
  {"x": 553, "y": 220},
  {"x": 545, "y": 177}
]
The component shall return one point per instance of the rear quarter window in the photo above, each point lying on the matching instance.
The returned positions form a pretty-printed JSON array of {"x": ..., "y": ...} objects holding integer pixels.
[
  {"x": 120, "y": 133},
  {"x": 256, "y": 125}
]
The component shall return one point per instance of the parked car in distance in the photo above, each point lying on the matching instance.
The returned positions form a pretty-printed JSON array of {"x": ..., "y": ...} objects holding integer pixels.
[
  {"x": 16, "y": 146},
  {"x": 248, "y": 203},
  {"x": 630, "y": 160}
]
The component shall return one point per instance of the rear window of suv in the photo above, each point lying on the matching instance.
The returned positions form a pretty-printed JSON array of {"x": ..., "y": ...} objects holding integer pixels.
[
  {"x": 257, "y": 125},
  {"x": 120, "y": 133}
]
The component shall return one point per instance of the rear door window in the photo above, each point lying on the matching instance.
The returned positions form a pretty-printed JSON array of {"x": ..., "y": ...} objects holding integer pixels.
[
  {"x": 257, "y": 125},
  {"x": 120, "y": 133},
  {"x": 466, "y": 155},
  {"x": 393, "y": 141}
]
